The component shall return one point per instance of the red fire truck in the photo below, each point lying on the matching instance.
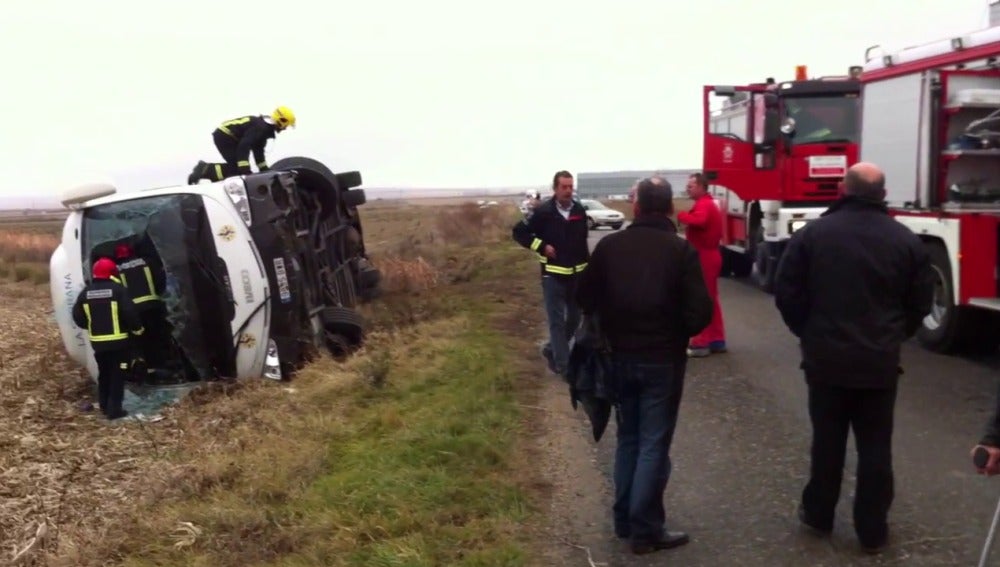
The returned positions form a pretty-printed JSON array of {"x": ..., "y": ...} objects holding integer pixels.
[
  {"x": 931, "y": 120},
  {"x": 774, "y": 155}
]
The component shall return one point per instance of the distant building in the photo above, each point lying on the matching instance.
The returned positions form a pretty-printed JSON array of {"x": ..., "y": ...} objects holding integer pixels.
[{"x": 617, "y": 183}]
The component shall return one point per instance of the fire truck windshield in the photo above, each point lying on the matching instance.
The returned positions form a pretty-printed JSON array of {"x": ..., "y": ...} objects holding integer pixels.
[{"x": 823, "y": 119}]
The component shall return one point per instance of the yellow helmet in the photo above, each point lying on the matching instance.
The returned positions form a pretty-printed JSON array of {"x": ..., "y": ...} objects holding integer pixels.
[{"x": 284, "y": 117}]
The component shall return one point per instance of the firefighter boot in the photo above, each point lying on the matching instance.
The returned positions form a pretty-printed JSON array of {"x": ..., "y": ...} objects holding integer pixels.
[{"x": 198, "y": 173}]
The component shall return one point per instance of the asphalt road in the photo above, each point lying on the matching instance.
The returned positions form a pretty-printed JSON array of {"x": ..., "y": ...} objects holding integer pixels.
[{"x": 740, "y": 454}]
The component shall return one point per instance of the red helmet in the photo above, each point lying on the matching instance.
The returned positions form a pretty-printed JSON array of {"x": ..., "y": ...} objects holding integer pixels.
[
  {"x": 104, "y": 268},
  {"x": 123, "y": 251}
]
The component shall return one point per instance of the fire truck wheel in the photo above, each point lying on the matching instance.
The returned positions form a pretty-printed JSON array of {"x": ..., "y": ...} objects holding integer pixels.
[
  {"x": 939, "y": 331},
  {"x": 942, "y": 328},
  {"x": 765, "y": 262}
]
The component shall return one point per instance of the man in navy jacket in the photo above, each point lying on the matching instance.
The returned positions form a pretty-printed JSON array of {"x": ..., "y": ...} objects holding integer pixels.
[{"x": 557, "y": 233}]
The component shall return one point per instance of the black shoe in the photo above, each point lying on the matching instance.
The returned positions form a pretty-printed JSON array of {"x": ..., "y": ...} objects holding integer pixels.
[
  {"x": 874, "y": 550},
  {"x": 812, "y": 526},
  {"x": 670, "y": 540},
  {"x": 197, "y": 173},
  {"x": 118, "y": 415}
]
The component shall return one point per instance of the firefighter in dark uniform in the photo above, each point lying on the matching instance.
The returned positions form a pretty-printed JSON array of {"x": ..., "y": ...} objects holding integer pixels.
[
  {"x": 557, "y": 233},
  {"x": 236, "y": 139},
  {"x": 145, "y": 284},
  {"x": 106, "y": 311}
]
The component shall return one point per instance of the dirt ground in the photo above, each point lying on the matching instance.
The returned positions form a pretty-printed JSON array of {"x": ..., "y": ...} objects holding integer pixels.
[
  {"x": 51, "y": 474},
  {"x": 49, "y": 459},
  {"x": 572, "y": 493}
]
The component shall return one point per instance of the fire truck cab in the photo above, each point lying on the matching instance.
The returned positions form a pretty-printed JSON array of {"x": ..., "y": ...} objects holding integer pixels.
[
  {"x": 774, "y": 155},
  {"x": 931, "y": 121}
]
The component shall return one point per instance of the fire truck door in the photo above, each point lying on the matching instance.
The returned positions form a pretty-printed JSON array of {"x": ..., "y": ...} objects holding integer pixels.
[{"x": 741, "y": 141}]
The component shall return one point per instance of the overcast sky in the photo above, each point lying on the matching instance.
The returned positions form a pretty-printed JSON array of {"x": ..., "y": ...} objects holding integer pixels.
[{"x": 429, "y": 94}]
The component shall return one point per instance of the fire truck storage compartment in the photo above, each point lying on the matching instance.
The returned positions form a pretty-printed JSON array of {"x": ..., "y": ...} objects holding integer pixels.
[
  {"x": 896, "y": 124},
  {"x": 969, "y": 172}
]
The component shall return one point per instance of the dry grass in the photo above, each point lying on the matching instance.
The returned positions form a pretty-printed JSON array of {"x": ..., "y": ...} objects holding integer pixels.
[
  {"x": 470, "y": 225},
  {"x": 25, "y": 249},
  {"x": 419, "y": 248},
  {"x": 407, "y": 453},
  {"x": 19, "y": 246}
]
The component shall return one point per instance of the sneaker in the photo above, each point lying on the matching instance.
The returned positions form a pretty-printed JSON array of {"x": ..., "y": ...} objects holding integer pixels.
[
  {"x": 698, "y": 352},
  {"x": 717, "y": 347}
]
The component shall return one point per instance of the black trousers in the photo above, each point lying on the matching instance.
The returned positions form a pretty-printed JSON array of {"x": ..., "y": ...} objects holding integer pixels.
[
  {"x": 112, "y": 366},
  {"x": 227, "y": 147},
  {"x": 155, "y": 340},
  {"x": 870, "y": 414}
]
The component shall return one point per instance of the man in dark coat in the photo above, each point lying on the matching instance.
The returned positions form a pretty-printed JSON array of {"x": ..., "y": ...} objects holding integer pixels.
[
  {"x": 556, "y": 232},
  {"x": 852, "y": 286},
  {"x": 646, "y": 288}
]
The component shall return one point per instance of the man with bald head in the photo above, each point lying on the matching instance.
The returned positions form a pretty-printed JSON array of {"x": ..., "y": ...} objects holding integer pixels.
[{"x": 852, "y": 286}]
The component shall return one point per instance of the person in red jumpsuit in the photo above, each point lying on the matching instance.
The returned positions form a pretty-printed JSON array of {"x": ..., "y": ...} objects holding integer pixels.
[{"x": 703, "y": 229}]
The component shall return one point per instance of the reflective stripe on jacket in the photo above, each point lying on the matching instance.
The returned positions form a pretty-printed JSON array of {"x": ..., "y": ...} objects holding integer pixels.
[
  {"x": 105, "y": 309},
  {"x": 568, "y": 235}
]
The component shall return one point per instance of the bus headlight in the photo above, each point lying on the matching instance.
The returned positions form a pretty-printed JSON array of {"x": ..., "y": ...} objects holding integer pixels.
[
  {"x": 272, "y": 363},
  {"x": 237, "y": 193}
]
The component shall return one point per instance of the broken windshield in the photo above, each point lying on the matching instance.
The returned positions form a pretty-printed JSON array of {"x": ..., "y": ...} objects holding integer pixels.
[{"x": 172, "y": 233}]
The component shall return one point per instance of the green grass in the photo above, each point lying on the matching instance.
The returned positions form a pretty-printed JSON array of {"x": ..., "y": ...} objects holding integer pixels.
[
  {"x": 412, "y": 452},
  {"x": 424, "y": 464},
  {"x": 417, "y": 468}
]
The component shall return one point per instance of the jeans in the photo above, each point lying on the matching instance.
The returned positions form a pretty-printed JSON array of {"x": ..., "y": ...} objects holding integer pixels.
[
  {"x": 834, "y": 411},
  {"x": 564, "y": 318},
  {"x": 650, "y": 397}
]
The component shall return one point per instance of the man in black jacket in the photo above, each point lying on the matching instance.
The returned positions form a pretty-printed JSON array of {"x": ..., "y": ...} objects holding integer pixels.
[
  {"x": 557, "y": 233},
  {"x": 646, "y": 288},
  {"x": 236, "y": 139},
  {"x": 852, "y": 286}
]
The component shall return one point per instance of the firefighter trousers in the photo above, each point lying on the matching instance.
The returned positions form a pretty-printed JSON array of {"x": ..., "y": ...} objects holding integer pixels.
[
  {"x": 218, "y": 171},
  {"x": 226, "y": 145},
  {"x": 155, "y": 341},
  {"x": 715, "y": 333},
  {"x": 112, "y": 366}
]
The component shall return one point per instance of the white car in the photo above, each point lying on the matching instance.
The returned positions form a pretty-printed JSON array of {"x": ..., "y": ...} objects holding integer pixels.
[
  {"x": 259, "y": 268},
  {"x": 598, "y": 214}
]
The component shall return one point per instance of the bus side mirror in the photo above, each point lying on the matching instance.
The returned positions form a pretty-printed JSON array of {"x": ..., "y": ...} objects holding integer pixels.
[{"x": 772, "y": 127}]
